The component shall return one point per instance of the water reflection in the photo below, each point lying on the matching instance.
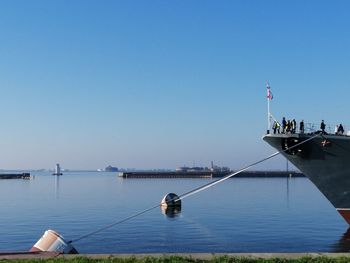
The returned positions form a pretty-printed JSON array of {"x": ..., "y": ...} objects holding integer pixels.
[
  {"x": 171, "y": 211},
  {"x": 287, "y": 191},
  {"x": 57, "y": 187},
  {"x": 343, "y": 244}
]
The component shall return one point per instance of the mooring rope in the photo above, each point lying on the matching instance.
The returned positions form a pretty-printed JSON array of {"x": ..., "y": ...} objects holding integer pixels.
[
  {"x": 194, "y": 191},
  {"x": 115, "y": 223},
  {"x": 203, "y": 187}
]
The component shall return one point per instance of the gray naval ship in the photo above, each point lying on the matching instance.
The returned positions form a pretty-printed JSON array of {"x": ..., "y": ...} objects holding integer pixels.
[{"x": 324, "y": 159}]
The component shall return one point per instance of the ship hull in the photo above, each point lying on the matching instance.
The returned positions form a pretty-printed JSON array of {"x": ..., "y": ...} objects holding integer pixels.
[{"x": 325, "y": 160}]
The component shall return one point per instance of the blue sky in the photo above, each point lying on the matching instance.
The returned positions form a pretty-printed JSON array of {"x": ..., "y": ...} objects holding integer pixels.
[{"x": 159, "y": 84}]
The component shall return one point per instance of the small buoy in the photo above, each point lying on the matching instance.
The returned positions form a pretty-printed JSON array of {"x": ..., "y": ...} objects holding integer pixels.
[
  {"x": 51, "y": 241},
  {"x": 171, "y": 200},
  {"x": 171, "y": 205}
]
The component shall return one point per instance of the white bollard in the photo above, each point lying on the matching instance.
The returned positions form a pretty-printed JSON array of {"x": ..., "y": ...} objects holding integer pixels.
[{"x": 52, "y": 241}]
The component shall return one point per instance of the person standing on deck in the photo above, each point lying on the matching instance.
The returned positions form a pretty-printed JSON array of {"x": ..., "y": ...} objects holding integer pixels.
[
  {"x": 294, "y": 126},
  {"x": 340, "y": 129},
  {"x": 276, "y": 127},
  {"x": 288, "y": 126},
  {"x": 323, "y": 126},
  {"x": 284, "y": 124},
  {"x": 301, "y": 126}
]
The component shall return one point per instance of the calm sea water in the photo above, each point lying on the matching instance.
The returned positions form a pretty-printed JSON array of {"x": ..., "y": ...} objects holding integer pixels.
[{"x": 239, "y": 215}]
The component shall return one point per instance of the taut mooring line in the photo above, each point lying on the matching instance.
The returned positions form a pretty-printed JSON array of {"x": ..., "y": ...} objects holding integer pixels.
[
  {"x": 203, "y": 187},
  {"x": 115, "y": 223},
  {"x": 194, "y": 191}
]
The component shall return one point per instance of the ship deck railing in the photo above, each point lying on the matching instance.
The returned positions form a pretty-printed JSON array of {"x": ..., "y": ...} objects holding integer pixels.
[{"x": 312, "y": 128}]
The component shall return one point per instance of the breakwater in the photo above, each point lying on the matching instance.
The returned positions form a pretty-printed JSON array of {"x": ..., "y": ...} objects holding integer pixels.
[
  {"x": 208, "y": 174},
  {"x": 15, "y": 176}
]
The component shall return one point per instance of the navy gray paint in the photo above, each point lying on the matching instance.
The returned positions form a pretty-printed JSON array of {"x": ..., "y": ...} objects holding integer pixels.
[{"x": 325, "y": 160}]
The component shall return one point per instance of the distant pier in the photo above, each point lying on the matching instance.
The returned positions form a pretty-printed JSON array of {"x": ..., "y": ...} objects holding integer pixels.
[
  {"x": 209, "y": 174},
  {"x": 151, "y": 174},
  {"x": 15, "y": 176}
]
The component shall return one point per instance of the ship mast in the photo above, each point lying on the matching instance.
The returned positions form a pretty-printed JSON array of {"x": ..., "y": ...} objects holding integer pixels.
[{"x": 269, "y": 97}]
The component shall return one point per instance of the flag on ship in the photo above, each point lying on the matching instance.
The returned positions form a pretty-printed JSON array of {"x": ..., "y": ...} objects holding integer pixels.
[{"x": 269, "y": 93}]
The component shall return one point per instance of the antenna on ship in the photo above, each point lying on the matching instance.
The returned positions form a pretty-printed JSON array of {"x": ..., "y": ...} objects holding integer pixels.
[{"x": 269, "y": 97}]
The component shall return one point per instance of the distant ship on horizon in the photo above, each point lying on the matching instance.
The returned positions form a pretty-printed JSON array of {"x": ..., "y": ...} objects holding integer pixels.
[{"x": 110, "y": 168}]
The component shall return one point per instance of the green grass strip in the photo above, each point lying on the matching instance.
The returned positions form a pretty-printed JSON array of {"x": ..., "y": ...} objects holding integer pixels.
[{"x": 177, "y": 259}]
